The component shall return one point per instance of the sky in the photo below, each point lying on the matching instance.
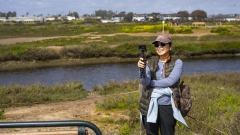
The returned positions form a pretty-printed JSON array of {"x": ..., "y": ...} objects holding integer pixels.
[{"x": 55, "y": 7}]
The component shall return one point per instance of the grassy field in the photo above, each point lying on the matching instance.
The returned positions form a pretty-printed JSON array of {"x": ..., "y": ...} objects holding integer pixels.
[
  {"x": 215, "y": 96},
  {"x": 216, "y": 104},
  {"x": 226, "y": 41}
]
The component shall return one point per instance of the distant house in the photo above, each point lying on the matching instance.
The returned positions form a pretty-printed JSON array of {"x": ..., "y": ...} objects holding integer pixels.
[
  {"x": 70, "y": 18},
  {"x": 237, "y": 18},
  {"x": 139, "y": 17},
  {"x": 230, "y": 18},
  {"x": 173, "y": 16},
  {"x": 22, "y": 19},
  {"x": 118, "y": 17},
  {"x": 50, "y": 18},
  {"x": 225, "y": 17},
  {"x": 2, "y": 19},
  {"x": 150, "y": 18},
  {"x": 112, "y": 20}
]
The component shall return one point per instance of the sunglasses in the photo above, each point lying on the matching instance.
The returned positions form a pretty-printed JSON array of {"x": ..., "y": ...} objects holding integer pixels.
[{"x": 160, "y": 44}]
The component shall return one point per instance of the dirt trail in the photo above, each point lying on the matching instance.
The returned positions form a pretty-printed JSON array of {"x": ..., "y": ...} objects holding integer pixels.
[
  {"x": 93, "y": 36},
  {"x": 82, "y": 109}
]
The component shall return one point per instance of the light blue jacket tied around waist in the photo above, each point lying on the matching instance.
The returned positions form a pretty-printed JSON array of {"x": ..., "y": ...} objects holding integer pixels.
[{"x": 153, "y": 106}]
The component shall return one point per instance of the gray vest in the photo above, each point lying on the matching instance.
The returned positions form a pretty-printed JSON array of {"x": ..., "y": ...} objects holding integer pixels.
[{"x": 145, "y": 93}]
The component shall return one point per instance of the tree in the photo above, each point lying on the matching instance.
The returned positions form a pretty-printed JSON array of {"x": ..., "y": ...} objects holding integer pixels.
[
  {"x": 9, "y": 14},
  {"x": 128, "y": 17},
  {"x": 199, "y": 15},
  {"x": 104, "y": 13},
  {"x": 110, "y": 13},
  {"x": 123, "y": 13},
  {"x": 155, "y": 16},
  {"x": 75, "y": 14},
  {"x": 183, "y": 15},
  {"x": 14, "y": 14},
  {"x": 27, "y": 14},
  {"x": 86, "y": 15}
]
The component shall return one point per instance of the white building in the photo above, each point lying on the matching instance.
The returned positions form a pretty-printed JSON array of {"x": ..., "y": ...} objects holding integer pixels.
[
  {"x": 22, "y": 19},
  {"x": 230, "y": 19},
  {"x": 170, "y": 16},
  {"x": 139, "y": 17},
  {"x": 112, "y": 20},
  {"x": 50, "y": 18},
  {"x": 70, "y": 18}
]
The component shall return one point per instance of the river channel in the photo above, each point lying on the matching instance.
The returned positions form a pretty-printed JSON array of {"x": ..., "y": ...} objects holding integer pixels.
[{"x": 100, "y": 74}]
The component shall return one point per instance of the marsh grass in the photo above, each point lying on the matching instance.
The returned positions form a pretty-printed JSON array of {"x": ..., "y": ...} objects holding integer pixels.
[
  {"x": 122, "y": 46},
  {"x": 226, "y": 42},
  {"x": 59, "y": 29},
  {"x": 215, "y": 102},
  {"x": 18, "y": 95},
  {"x": 79, "y": 27},
  {"x": 115, "y": 87}
]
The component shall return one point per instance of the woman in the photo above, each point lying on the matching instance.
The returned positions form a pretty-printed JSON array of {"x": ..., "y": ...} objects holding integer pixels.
[{"x": 162, "y": 76}]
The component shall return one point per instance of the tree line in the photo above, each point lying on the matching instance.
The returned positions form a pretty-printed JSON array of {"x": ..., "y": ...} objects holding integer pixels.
[
  {"x": 104, "y": 14},
  {"x": 8, "y": 14}
]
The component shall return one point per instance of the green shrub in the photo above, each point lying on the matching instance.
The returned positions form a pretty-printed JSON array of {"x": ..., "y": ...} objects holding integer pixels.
[
  {"x": 181, "y": 30},
  {"x": 119, "y": 102},
  {"x": 114, "y": 87},
  {"x": 220, "y": 30},
  {"x": 93, "y": 51},
  {"x": 38, "y": 54},
  {"x": 17, "y": 95},
  {"x": 2, "y": 116}
]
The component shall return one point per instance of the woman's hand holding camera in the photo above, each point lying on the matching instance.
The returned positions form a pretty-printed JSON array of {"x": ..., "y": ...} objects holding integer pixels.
[{"x": 141, "y": 63}]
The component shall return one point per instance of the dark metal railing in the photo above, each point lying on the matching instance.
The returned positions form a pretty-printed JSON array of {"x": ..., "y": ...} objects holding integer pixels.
[{"x": 80, "y": 124}]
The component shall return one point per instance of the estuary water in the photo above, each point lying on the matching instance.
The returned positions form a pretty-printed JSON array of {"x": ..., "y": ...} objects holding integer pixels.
[{"x": 100, "y": 74}]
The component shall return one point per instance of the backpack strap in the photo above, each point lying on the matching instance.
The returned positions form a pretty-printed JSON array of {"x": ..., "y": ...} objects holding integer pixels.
[{"x": 180, "y": 86}]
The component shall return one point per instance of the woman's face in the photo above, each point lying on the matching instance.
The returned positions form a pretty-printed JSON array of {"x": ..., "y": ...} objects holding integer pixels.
[{"x": 162, "y": 49}]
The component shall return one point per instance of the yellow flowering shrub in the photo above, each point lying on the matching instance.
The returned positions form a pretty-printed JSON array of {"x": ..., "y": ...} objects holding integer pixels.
[
  {"x": 181, "y": 30},
  {"x": 142, "y": 28}
]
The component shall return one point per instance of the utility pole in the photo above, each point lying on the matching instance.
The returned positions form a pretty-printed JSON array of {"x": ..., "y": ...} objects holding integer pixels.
[{"x": 163, "y": 26}]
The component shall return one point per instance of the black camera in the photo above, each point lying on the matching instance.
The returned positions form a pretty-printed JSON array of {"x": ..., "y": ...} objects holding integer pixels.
[{"x": 143, "y": 49}]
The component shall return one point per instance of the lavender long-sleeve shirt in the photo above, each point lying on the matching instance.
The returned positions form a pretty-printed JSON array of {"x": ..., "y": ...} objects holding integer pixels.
[{"x": 162, "y": 82}]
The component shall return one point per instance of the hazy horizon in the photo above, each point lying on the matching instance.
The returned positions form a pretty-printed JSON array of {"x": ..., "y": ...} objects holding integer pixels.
[{"x": 55, "y": 7}]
